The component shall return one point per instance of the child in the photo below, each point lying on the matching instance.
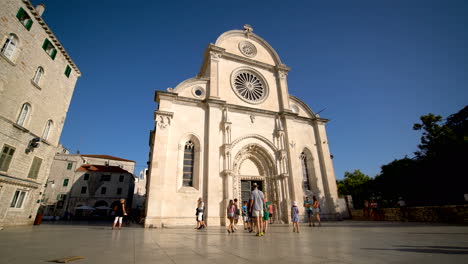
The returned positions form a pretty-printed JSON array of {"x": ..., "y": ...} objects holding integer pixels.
[
  {"x": 266, "y": 215},
  {"x": 295, "y": 217},
  {"x": 245, "y": 216}
]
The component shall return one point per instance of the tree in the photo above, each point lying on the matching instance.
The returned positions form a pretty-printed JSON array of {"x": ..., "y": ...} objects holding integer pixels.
[{"x": 355, "y": 184}]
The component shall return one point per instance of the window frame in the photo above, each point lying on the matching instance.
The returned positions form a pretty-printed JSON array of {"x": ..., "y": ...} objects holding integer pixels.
[
  {"x": 119, "y": 190},
  {"x": 35, "y": 168},
  {"x": 86, "y": 177},
  {"x": 24, "y": 114},
  {"x": 69, "y": 165},
  {"x": 188, "y": 164},
  {"x": 24, "y": 18},
  {"x": 47, "y": 129},
  {"x": 85, "y": 188},
  {"x": 11, "y": 41},
  {"x": 38, "y": 76},
  {"x": 49, "y": 48},
  {"x": 121, "y": 178},
  {"x": 17, "y": 198},
  {"x": 103, "y": 190},
  {"x": 105, "y": 177},
  {"x": 65, "y": 182},
  {"x": 305, "y": 172},
  {"x": 6, "y": 158}
]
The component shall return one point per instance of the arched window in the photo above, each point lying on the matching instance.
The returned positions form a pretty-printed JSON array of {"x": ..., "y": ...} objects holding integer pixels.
[
  {"x": 23, "y": 116},
  {"x": 10, "y": 46},
  {"x": 305, "y": 172},
  {"x": 38, "y": 75},
  {"x": 189, "y": 158},
  {"x": 47, "y": 129}
]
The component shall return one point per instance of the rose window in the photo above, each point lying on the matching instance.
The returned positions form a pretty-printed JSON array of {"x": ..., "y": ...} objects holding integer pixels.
[{"x": 249, "y": 87}]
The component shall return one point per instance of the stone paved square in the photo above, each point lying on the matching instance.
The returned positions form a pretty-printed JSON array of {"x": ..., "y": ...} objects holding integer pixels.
[{"x": 334, "y": 242}]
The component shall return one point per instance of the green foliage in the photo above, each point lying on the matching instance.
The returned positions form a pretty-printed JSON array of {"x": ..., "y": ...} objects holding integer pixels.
[{"x": 436, "y": 175}]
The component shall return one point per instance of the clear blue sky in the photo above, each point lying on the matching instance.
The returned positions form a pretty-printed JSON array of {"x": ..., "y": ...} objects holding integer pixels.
[{"x": 374, "y": 66}]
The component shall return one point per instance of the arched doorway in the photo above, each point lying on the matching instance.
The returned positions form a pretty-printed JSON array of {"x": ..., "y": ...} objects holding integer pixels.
[{"x": 253, "y": 164}]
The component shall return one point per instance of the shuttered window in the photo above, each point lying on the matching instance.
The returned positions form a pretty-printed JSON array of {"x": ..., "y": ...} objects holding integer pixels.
[
  {"x": 67, "y": 71},
  {"x": 6, "y": 156},
  {"x": 305, "y": 172},
  {"x": 24, "y": 18},
  {"x": 35, "y": 167},
  {"x": 49, "y": 48}
]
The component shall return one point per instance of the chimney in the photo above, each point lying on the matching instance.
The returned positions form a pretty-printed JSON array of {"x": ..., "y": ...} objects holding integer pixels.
[{"x": 40, "y": 9}]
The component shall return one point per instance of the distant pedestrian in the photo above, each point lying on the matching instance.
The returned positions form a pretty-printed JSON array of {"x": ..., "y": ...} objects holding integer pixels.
[
  {"x": 119, "y": 213},
  {"x": 295, "y": 217},
  {"x": 231, "y": 211},
  {"x": 308, "y": 205},
  {"x": 266, "y": 215},
  {"x": 316, "y": 208},
  {"x": 365, "y": 210},
  {"x": 200, "y": 214},
  {"x": 270, "y": 209},
  {"x": 245, "y": 216},
  {"x": 236, "y": 214}
]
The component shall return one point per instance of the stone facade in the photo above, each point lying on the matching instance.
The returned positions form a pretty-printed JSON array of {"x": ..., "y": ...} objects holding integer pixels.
[
  {"x": 37, "y": 80},
  {"x": 65, "y": 177},
  {"x": 230, "y": 126}
]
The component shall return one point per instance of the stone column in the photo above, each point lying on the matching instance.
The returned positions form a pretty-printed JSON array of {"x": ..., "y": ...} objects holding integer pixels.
[
  {"x": 283, "y": 94},
  {"x": 326, "y": 166},
  {"x": 213, "y": 178}
]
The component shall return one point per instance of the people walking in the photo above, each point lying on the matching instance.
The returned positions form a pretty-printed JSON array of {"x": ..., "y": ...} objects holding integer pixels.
[
  {"x": 200, "y": 214},
  {"x": 295, "y": 217},
  {"x": 231, "y": 211},
  {"x": 266, "y": 215},
  {"x": 270, "y": 209},
  {"x": 257, "y": 204},
  {"x": 316, "y": 208},
  {"x": 119, "y": 214},
  {"x": 236, "y": 214},
  {"x": 308, "y": 204}
]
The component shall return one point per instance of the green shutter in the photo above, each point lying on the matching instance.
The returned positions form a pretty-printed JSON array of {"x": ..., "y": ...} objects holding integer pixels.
[
  {"x": 46, "y": 43},
  {"x": 29, "y": 24},
  {"x": 54, "y": 52},
  {"x": 67, "y": 71},
  {"x": 20, "y": 13}
]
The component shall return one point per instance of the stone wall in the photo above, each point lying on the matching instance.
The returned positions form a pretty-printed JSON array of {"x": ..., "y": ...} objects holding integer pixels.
[{"x": 456, "y": 214}]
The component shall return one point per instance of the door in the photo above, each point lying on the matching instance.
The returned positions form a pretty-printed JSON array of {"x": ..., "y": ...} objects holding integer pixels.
[{"x": 246, "y": 188}]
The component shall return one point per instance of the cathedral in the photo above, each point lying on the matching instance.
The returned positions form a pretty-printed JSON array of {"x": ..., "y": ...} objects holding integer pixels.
[{"x": 233, "y": 125}]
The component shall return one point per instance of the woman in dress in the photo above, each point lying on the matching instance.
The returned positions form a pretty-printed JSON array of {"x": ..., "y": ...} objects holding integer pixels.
[
  {"x": 231, "y": 211},
  {"x": 316, "y": 208},
  {"x": 295, "y": 217}
]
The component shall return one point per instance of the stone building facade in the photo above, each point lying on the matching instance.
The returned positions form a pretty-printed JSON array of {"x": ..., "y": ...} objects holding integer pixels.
[
  {"x": 65, "y": 178},
  {"x": 233, "y": 125},
  {"x": 37, "y": 80}
]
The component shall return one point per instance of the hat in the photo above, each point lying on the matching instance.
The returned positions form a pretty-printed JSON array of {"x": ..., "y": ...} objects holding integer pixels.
[{"x": 254, "y": 184}]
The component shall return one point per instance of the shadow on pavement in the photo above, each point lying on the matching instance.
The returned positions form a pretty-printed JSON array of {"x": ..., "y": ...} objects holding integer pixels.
[{"x": 427, "y": 249}]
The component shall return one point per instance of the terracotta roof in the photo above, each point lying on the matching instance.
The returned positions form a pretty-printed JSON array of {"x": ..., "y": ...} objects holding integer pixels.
[
  {"x": 101, "y": 168},
  {"x": 106, "y": 157}
]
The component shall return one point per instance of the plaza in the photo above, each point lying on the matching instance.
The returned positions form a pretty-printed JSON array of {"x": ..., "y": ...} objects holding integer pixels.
[{"x": 334, "y": 242}]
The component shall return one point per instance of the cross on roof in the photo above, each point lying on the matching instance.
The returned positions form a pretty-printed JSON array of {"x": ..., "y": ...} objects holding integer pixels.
[{"x": 248, "y": 28}]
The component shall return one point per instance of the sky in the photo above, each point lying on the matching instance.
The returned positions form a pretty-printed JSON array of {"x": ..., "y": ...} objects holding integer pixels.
[{"x": 371, "y": 67}]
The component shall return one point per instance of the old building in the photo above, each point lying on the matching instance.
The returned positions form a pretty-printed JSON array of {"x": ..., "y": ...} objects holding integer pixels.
[
  {"x": 69, "y": 173},
  {"x": 232, "y": 125},
  {"x": 37, "y": 80},
  {"x": 139, "y": 194}
]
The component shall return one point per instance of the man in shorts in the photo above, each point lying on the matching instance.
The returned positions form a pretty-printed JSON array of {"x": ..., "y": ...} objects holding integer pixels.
[
  {"x": 257, "y": 201},
  {"x": 309, "y": 209}
]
